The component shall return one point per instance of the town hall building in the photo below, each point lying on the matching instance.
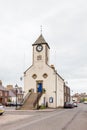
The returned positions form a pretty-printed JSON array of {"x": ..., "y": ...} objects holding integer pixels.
[{"x": 42, "y": 83}]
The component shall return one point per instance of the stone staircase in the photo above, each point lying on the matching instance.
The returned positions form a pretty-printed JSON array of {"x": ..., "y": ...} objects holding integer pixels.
[{"x": 31, "y": 101}]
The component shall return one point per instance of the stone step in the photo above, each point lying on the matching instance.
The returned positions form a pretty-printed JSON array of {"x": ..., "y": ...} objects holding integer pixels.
[{"x": 29, "y": 102}]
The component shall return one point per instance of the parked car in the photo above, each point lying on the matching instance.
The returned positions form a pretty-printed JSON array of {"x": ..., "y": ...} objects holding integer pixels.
[
  {"x": 75, "y": 104},
  {"x": 10, "y": 104},
  {"x": 85, "y": 102},
  {"x": 1, "y": 109},
  {"x": 68, "y": 105}
]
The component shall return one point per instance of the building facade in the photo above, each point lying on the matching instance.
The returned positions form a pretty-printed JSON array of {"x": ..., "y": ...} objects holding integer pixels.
[
  {"x": 67, "y": 96},
  {"x": 42, "y": 76},
  {"x": 79, "y": 97},
  {"x": 12, "y": 93},
  {"x": 4, "y": 94}
]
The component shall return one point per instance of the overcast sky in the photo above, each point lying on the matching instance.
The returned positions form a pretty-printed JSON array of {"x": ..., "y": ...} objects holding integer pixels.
[{"x": 64, "y": 27}]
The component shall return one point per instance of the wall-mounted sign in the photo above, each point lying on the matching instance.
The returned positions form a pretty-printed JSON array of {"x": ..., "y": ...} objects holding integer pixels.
[{"x": 50, "y": 99}]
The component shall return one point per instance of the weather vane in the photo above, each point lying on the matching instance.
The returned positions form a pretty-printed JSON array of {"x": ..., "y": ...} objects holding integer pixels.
[{"x": 41, "y": 29}]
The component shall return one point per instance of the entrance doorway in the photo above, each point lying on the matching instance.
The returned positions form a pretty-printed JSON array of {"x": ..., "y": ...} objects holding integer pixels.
[{"x": 39, "y": 87}]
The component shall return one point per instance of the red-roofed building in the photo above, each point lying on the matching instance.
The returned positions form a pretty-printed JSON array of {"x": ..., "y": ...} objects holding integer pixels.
[{"x": 4, "y": 94}]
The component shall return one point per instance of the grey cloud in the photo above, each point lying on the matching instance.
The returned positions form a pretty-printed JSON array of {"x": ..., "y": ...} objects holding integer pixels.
[{"x": 64, "y": 28}]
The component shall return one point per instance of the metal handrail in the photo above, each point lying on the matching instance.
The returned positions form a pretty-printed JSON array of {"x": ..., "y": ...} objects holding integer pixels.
[
  {"x": 25, "y": 98},
  {"x": 37, "y": 99}
]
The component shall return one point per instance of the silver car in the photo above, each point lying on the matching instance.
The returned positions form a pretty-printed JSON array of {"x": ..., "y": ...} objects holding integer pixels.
[{"x": 1, "y": 109}]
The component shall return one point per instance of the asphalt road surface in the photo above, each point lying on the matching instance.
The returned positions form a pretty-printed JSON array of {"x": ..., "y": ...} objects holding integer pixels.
[{"x": 60, "y": 119}]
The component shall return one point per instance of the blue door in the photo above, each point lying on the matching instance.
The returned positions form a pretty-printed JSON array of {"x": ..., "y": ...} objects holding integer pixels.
[{"x": 39, "y": 88}]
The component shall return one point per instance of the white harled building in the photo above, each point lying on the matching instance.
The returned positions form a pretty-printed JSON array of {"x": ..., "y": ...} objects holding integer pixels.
[{"x": 41, "y": 77}]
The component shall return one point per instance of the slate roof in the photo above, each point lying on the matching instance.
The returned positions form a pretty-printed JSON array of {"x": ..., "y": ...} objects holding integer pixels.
[
  {"x": 11, "y": 94},
  {"x": 3, "y": 88},
  {"x": 40, "y": 40}
]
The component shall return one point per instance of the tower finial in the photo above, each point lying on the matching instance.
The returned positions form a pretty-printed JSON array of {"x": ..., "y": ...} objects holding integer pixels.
[{"x": 41, "y": 29}]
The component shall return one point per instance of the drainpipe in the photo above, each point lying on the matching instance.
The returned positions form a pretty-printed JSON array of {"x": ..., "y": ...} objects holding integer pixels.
[{"x": 56, "y": 89}]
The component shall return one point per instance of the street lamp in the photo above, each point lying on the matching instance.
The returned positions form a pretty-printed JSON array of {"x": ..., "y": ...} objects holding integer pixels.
[{"x": 16, "y": 86}]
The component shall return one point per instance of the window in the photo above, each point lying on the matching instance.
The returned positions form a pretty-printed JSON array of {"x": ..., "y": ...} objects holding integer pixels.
[
  {"x": 34, "y": 76},
  {"x": 6, "y": 93},
  {"x": 39, "y": 57},
  {"x": 0, "y": 93},
  {"x": 45, "y": 75}
]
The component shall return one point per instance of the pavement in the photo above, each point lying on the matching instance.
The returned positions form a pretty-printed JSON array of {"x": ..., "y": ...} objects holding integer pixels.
[
  {"x": 11, "y": 114},
  {"x": 41, "y": 110}
]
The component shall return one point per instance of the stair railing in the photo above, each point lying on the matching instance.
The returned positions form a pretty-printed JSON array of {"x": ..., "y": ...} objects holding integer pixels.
[
  {"x": 25, "y": 98},
  {"x": 37, "y": 99}
]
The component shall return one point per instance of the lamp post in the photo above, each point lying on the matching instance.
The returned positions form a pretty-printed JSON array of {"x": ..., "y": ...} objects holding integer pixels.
[{"x": 16, "y": 86}]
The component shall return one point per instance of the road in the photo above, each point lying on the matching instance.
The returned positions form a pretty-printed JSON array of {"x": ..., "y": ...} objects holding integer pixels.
[{"x": 60, "y": 119}]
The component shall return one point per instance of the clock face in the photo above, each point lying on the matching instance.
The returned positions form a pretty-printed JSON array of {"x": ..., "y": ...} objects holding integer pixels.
[{"x": 39, "y": 48}]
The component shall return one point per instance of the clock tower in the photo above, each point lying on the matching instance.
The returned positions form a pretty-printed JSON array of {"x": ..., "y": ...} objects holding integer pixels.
[
  {"x": 41, "y": 76},
  {"x": 40, "y": 51}
]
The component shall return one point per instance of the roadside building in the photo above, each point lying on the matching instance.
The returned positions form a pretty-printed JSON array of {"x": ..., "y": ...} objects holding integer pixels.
[
  {"x": 12, "y": 93},
  {"x": 20, "y": 94},
  {"x": 4, "y": 94},
  {"x": 12, "y": 96},
  {"x": 42, "y": 78},
  {"x": 79, "y": 97},
  {"x": 66, "y": 93}
]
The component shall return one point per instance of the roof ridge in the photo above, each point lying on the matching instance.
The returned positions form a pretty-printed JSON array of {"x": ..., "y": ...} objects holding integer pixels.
[{"x": 40, "y": 39}]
